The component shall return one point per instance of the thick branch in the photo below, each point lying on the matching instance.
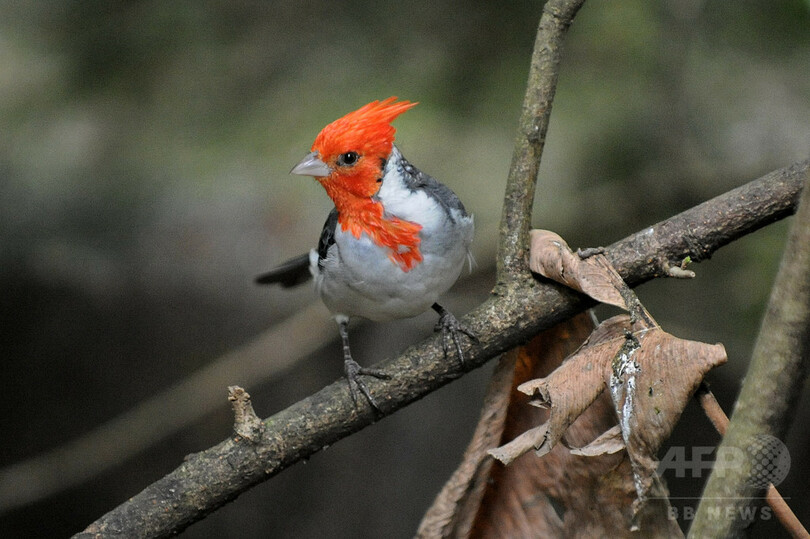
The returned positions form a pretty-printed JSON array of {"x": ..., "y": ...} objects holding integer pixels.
[
  {"x": 778, "y": 370},
  {"x": 531, "y": 138},
  {"x": 695, "y": 232},
  {"x": 207, "y": 480}
]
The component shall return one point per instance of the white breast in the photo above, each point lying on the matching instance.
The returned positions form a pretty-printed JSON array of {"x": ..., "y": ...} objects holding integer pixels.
[{"x": 359, "y": 279}]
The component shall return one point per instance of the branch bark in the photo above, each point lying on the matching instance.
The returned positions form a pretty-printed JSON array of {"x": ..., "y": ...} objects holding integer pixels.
[
  {"x": 207, "y": 480},
  {"x": 531, "y": 139},
  {"x": 778, "y": 370}
]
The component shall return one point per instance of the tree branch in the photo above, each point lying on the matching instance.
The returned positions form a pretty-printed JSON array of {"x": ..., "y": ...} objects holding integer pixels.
[
  {"x": 207, "y": 480},
  {"x": 778, "y": 369},
  {"x": 531, "y": 138},
  {"x": 695, "y": 232}
]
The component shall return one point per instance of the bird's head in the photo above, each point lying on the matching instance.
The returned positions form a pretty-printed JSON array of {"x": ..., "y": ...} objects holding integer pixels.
[
  {"x": 348, "y": 155},
  {"x": 348, "y": 158}
]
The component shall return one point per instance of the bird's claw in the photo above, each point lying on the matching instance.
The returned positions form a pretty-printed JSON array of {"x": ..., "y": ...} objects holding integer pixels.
[
  {"x": 451, "y": 328},
  {"x": 353, "y": 373}
]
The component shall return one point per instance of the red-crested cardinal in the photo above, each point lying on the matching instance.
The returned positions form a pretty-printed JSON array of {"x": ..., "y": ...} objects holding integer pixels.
[{"x": 395, "y": 241}]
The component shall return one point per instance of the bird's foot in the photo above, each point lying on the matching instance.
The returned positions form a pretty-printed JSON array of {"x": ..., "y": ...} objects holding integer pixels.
[
  {"x": 451, "y": 330},
  {"x": 353, "y": 373}
]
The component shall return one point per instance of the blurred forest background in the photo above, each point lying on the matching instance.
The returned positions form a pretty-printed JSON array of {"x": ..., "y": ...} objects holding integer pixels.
[{"x": 144, "y": 157}]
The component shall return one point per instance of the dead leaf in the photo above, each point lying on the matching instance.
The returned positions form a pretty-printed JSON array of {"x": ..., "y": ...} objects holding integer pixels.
[
  {"x": 559, "y": 495},
  {"x": 550, "y": 256},
  {"x": 568, "y": 391},
  {"x": 483, "y": 495},
  {"x": 607, "y": 443},
  {"x": 650, "y": 375},
  {"x": 651, "y": 380},
  {"x": 594, "y": 489}
]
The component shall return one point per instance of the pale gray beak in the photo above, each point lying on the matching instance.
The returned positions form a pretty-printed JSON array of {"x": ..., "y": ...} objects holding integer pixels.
[{"x": 310, "y": 165}]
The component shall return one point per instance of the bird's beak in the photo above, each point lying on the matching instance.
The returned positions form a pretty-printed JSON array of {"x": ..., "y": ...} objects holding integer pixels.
[{"x": 310, "y": 165}]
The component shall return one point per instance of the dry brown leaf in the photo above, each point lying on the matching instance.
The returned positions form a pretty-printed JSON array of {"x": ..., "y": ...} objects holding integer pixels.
[
  {"x": 559, "y": 495},
  {"x": 483, "y": 498},
  {"x": 650, "y": 375},
  {"x": 550, "y": 256},
  {"x": 595, "y": 490},
  {"x": 609, "y": 442},
  {"x": 651, "y": 380},
  {"x": 568, "y": 391}
]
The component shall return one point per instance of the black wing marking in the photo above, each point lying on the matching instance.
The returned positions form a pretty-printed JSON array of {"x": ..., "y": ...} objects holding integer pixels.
[
  {"x": 416, "y": 179},
  {"x": 327, "y": 236},
  {"x": 293, "y": 272}
]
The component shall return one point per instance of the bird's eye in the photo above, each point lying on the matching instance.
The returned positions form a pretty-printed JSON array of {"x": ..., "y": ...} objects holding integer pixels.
[{"x": 347, "y": 159}]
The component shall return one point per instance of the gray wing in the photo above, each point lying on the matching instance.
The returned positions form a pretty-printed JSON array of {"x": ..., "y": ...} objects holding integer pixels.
[
  {"x": 295, "y": 271},
  {"x": 416, "y": 179}
]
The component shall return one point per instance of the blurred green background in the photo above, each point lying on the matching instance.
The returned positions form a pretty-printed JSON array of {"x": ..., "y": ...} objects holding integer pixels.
[{"x": 144, "y": 157}]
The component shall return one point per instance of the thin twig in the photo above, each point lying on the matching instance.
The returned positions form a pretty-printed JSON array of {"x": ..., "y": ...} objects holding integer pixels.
[
  {"x": 207, "y": 480},
  {"x": 712, "y": 408},
  {"x": 784, "y": 514},
  {"x": 245, "y": 421}
]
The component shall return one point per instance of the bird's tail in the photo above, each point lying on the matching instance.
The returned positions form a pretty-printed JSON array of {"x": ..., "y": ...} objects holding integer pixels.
[{"x": 291, "y": 273}]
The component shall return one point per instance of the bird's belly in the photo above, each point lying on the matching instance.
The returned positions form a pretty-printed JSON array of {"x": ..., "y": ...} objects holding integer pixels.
[{"x": 360, "y": 279}]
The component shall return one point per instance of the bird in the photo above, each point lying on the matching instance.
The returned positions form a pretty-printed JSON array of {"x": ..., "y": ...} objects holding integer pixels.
[{"x": 394, "y": 242}]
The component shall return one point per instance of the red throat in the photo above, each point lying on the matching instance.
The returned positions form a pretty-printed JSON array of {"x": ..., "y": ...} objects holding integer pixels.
[{"x": 366, "y": 215}]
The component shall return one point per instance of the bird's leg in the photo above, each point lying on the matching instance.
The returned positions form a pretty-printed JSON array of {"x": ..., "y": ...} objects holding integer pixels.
[
  {"x": 450, "y": 328},
  {"x": 354, "y": 370}
]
